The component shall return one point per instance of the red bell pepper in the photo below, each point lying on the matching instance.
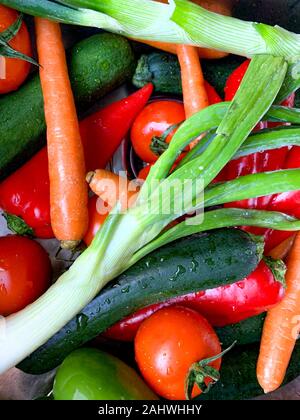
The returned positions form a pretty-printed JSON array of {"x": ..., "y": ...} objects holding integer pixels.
[
  {"x": 221, "y": 306},
  {"x": 26, "y": 192}
]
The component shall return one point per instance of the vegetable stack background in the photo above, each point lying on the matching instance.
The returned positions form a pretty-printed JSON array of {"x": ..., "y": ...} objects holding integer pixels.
[{"x": 127, "y": 238}]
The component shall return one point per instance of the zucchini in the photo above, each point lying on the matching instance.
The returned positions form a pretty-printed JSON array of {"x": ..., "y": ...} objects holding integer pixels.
[
  {"x": 198, "y": 262},
  {"x": 163, "y": 70},
  {"x": 238, "y": 374},
  {"x": 97, "y": 65},
  {"x": 245, "y": 332}
]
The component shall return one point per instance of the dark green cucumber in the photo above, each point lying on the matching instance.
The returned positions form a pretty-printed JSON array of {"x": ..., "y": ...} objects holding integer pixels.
[
  {"x": 163, "y": 70},
  {"x": 245, "y": 332},
  {"x": 198, "y": 262},
  {"x": 97, "y": 65},
  {"x": 238, "y": 374}
]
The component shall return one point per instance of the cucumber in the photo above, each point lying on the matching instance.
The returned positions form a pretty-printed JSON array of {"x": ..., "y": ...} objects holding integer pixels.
[
  {"x": 97, "y": 65},
  {"x": 245, "y": 332},
  {"x": 198, "y": 262},
  {"x": 163, "y": 70},
  {"x": 238, "y": 374}
]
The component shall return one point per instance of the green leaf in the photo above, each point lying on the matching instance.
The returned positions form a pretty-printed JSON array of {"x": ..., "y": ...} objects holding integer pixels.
[
  {"x": 17, "y": 225},
  {"x": 6, "y": 50}
]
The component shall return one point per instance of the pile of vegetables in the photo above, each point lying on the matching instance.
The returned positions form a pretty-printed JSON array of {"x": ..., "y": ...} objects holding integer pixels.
[{"x": 170, "y": 243}]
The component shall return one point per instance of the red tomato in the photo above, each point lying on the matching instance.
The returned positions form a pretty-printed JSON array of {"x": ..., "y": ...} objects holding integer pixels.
[
  {"x": 153, "y": 121},
  {"x": 25, "y": 273},
  {"x": 168, "y": 344},
  {"x": 96, "y": 220},
  {"x": 16, "y": 70}
]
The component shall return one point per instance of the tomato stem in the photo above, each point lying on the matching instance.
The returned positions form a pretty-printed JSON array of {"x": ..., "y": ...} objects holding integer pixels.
[
  {"x": 159, "y": 143},
  {"x": 200, "y": 371}
]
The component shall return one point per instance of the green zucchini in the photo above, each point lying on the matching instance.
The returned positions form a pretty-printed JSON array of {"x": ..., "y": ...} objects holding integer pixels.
[
  {"x": 198, "y": 262},
  {"x": 163, "y": 70},
  {"x": 97, "y": 65},
  {"x": 238, "y": 374},
  {"x": 245, "y": 332}
]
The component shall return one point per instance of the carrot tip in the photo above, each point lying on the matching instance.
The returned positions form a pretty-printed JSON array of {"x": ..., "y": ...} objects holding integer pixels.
[{"x": 89, "y": 177}]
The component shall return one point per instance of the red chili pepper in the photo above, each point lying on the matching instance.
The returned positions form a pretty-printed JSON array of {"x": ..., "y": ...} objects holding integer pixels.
[
  {"x": 103, "y": 131},
  {"x": 26, "y": 192},
  {"x": 221, "y": 306},
  {"x": 213, "y": 96}
]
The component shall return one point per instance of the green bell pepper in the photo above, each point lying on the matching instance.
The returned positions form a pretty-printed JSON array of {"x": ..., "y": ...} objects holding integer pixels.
[{"x": 90, "y": 374}]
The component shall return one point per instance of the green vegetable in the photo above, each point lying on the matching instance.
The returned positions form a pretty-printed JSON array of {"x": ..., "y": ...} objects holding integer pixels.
[
  {"x": 89, "y": 374},
  {"x": 97, "y": 65},
  {"x": 163, "y": 70},
  {"x": 238, "y": 374},
  {"x": 245, "y": 332},
  {"x": 199, "y": 262},
  {"x": 125, "y": 234},
  {"x": 179, "y": 21}
]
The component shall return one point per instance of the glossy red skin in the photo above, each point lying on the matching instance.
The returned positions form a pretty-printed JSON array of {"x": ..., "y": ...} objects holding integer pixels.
[
  {"x": 167, "y": 345},
  {"x": 153, "y": 121},
  {"x": 156, "y": 118},
  {"x": 96, "y": 220},
  {"x": 221, "y": 306},
  {"x": 26, "y": 193},
  {"x": 262, "y": 162},
  {"x": 16, "y": 70},
  {"x": 103, "y": 132},
  {"x": 25, "y": 273}
]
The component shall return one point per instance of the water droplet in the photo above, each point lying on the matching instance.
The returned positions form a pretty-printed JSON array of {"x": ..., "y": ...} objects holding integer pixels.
[
  {"x": 81, "y": 321},
  {"x": 125, "y": 289},
  {"x": 194, "y": 266},
  {"x": 179, "y": 271}
]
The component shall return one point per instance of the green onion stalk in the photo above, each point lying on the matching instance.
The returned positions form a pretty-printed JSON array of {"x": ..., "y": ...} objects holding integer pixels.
[
  {"x": 127, "y": 236},
  {"x": 180, "y": 21}
]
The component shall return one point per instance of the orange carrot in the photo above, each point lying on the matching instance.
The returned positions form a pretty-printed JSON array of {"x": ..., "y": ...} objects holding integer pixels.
[
  {"x": 172, "y": 48},
  {"x": 113, "y": 188},
  {"x": 193, "y": 88},
  {"x": 68, "y": 189},
  {"x": 282, "y": 250},
  {"x": 281, "y": 328}
]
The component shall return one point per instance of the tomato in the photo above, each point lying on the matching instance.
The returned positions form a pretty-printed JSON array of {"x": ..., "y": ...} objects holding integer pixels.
[
  {"x": 89, "y": 374},
  {"x": 16, "y": 70},
  {"x": 153, "y": 121},
  {"x": 96, "y": 220},
  {"x": 169, "y": 344},
  {"x": 25, "y": 273}
]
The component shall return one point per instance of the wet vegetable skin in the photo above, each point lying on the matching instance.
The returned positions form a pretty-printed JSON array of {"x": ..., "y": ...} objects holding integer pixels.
[{"x": 89, "y": 374}]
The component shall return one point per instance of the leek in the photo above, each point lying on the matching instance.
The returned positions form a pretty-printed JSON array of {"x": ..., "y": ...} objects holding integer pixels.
[{"x": 180, "y": 21}]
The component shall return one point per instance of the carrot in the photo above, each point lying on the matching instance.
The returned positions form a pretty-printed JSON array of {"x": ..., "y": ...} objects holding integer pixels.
[
  {"x": 205, "y": 53},
  {"x": 193, "y": 88},
  {"x": 281, "y": 328},
  {"x": 68, "y": 189},
  {"x": 112, "y": 188},
  {"x": 282, "y": 250}
]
